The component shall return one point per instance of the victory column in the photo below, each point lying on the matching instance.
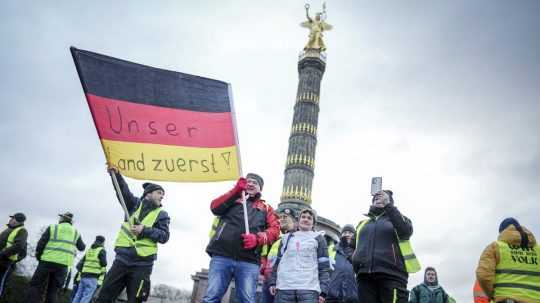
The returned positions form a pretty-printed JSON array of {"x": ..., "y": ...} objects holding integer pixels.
[{"x": 300, "y": 163}]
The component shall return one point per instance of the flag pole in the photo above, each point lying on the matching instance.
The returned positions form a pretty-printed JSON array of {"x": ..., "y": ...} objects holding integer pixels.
[
  {"x": 120, "y": 196},
  {"x": 233, "y": 112}
]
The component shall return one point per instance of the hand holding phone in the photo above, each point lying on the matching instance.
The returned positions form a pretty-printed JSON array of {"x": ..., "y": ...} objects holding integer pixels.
[{"x": 376, "y": 185}]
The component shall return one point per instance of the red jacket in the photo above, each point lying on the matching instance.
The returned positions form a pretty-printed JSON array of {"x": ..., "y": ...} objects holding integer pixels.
[{"x": 227, "y": 240}]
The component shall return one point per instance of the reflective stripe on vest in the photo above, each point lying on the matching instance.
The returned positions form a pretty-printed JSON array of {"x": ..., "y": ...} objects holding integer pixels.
[
  {"x": 332, "y": 255},
  {"x": 517, "y": 275},
  {"x": 11, "y": 240},
  {"x": 273, "y": 253},
  {"x": 61, "y": 247},
  {"x": 332, "y": 251},
  {"x": 91, "y": 261},
  {"x": 274, "y": 249},
  {"x": 145, "y": 247},
  {"x": 102, "y": 276},
  {"x": 412, "y": 265}
]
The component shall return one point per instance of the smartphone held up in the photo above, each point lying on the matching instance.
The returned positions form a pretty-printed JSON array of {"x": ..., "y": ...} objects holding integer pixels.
[{"x": 376, "y": 185}]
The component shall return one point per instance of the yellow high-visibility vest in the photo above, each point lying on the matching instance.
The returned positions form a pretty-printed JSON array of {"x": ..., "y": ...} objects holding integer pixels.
[
  {"x": 102, "y": 276},
  {"x": 412, "y": 265},
  {"x": 517, "y": 276},
  {"x": 61, "y": 247},
  {"x": 11, "y": 240},
  {"x": 145, "y": 247},
  {"x": 91, "y": 261}
]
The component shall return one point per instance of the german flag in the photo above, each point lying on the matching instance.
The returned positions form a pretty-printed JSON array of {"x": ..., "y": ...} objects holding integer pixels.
[{"x": 156, "y": 124}]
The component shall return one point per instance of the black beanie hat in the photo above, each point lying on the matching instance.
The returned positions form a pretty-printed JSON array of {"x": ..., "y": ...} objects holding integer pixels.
[
  {"x": 390, "y": 196},
  {"x": 150, "y": 187},
  {"x": 100, "y": 239},
  {"x": 257, "y": 178},
  {"x": 348, "y": 227}
]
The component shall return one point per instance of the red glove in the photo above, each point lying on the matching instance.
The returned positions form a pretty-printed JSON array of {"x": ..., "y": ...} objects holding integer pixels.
[
  {"x": 250, "y": 241},
  {"x": 262, "y": 269},
  {"x": 241, "y": 185}
]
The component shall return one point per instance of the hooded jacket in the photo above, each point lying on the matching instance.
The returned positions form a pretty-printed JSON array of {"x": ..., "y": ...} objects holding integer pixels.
[
  {"x": 421, "y": 293},
  {"x": 429, "y": 292},
  {"x": 490, "y": 258},
  {"x": 377, "y": 244}
]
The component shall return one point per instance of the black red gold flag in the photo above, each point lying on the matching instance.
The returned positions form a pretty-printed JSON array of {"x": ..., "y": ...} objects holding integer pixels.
[{"x": 156, "y": 124}]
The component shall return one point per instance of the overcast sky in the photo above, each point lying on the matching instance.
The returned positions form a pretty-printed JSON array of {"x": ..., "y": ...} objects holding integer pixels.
[{"x": 441, "y": 98}]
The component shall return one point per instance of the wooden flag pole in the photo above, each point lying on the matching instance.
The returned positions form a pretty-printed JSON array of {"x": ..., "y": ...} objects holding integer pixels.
[
  {"x": 120, "y": 196},
  {"x": 233, "y": 113}
]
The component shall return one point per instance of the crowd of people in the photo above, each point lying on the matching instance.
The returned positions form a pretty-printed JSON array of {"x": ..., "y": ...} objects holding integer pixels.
[
  {"x": 370, "y": 263},
  {"x": 135, "y": 249}
]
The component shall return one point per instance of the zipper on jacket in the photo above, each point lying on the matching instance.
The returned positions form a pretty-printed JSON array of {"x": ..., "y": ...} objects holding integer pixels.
[
  {"x": 394, "y": 254},
  {"x": 373, "y": 245}
]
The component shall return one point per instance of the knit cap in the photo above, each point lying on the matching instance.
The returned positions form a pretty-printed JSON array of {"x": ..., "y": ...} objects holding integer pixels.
[
  {"x": 348, "y": 227},
  {"x": 257, "y": 178},
  {"x": 150, "y": 187}
]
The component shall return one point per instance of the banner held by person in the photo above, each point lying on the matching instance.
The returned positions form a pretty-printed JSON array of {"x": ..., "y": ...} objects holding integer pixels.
[{"x": 156, "y": 124}]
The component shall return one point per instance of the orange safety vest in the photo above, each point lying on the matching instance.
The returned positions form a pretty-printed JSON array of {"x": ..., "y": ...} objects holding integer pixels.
[{"x": 479, "y": 294}]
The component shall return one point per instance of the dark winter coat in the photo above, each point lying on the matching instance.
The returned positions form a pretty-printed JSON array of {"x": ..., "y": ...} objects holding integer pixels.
[
  {"x": 422, "y": 294},
  {"x": 377, "y": 245},
  {"x": 342, "y": 287},
  {"x": 159, "y": 232},
  {"x": 227, "y": 240},
  {"x": 18, "y": 247}
]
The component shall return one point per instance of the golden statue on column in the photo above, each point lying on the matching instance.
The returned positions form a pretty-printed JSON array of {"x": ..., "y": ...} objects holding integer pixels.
[{"x": 316, "y": 28}]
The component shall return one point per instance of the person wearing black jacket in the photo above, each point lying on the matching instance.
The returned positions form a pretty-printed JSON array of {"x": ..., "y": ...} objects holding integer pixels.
[
  {"x": 12, "y": 247},
  {"x": 90, "y": 271},
  {"x": 380, "y": 269},
  {"x": 52, "y": 268},
  {"x": 133, "y": 263},
  {"x": 342, "y": 286},
  {"x": 233, "y": 252}
]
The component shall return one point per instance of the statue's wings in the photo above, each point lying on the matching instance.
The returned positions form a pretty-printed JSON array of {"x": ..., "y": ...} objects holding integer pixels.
[
  {"x": 326, "y": 26},
  {"x": 306, "y": 24}
]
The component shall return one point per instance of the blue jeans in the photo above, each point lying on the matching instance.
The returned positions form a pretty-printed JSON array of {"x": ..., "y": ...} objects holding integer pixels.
[
  {"x": 220, "y": 274},
  {"x": 266, "y": 296},
  {"x": 297, "y": 296},
  {"x": 85, "y": 290}
]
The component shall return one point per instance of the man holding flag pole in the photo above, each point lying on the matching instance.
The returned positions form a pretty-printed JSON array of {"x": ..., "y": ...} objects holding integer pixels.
[
  {"x": 234, "y": 251},
  {"x": 155, "y": 124},
  {"x": 136, "y": 243}
]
